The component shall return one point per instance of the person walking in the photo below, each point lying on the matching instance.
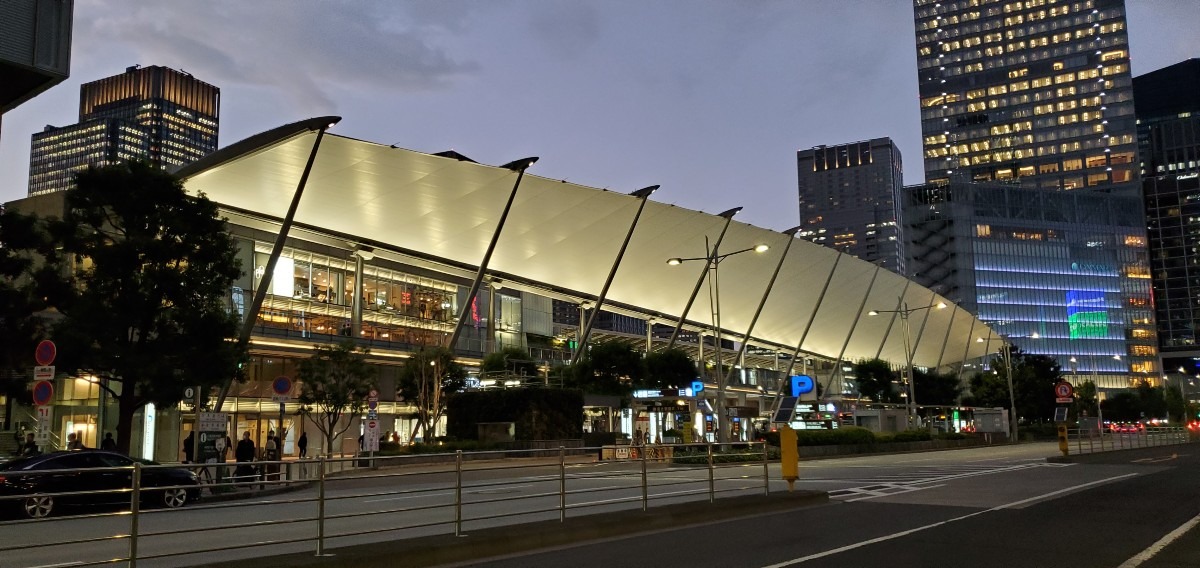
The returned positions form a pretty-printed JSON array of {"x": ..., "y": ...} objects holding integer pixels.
[
  {"x": 73, "y": 442},
  {"x": 108, "y": 443},
  {"x": 244, "y": 454},
  {"x": 189, "y": 447},
  {"x": 303, "y": 445},
  {"x": 30, "y": 447}
]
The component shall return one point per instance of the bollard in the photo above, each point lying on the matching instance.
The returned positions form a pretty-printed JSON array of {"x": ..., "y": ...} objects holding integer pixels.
[
  {"x": 712, "y": 493},
  {"x": 766, "y": 470},
  {"x": 645, "y": 487}
]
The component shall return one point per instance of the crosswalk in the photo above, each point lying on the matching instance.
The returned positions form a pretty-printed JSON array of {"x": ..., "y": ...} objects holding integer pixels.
[{"x": 885, "y": 484}]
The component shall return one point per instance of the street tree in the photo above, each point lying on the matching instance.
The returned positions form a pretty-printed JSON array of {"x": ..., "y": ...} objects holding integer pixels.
[
  {"x": 1152, "y": 401},
  {"x": 876, "y": 380},
  {"x": 334, "y": 383},
  {"x": 1121, "y": 407},
  {"x": 670, "y": 368},
  {"x": 938, "y": 389},
  {"x": 149, "y": 313},
  {"x": 428, "y": 379},
  {"x": 1176, "y": 405},
  {"x": 1086, "y": 399},
  {"x": 988, "y": 390}
]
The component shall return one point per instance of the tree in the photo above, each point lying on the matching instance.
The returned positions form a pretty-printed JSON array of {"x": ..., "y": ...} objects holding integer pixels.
[
  {"x": 671, "y": 368},
  {"x": 1034, "y": 377},
  {"x": 939, "y": 389},
  {"x": 153, "y": 271},
  {"x": 427, "y": 381},
  {"x": 31, "y": 281},
  {"x": 1086, "y": 399},
  {"x": 1121, "y": 407},
  {"x": 1151, "y": 401},
  {"x": 1176, "y": 405},
  {"x": 988, "y": 390},
  {"x": 876, "y": 380},
  {"x": 334, "y": 382},
  {"x": 608, "y": 368},
  {"x": 510, "y": 360}
]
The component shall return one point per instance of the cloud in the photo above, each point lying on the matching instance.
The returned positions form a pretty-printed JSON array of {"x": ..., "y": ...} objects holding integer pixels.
[{"x": 305, "y": 50}]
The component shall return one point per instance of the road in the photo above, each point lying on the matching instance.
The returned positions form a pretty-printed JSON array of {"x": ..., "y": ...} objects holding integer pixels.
[
  {"x": 874, "y": 496},
  {"x": 997, "y": 508}
]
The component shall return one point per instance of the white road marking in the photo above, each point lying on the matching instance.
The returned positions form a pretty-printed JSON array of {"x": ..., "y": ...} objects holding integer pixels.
[
  {"x": 1162, "y": 543},
  {"x": 60, "y": 564},
  {"x": 861, "y": 544}
]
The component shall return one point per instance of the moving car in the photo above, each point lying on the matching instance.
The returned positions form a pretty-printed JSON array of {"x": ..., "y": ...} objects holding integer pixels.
[{"x": 86, "y": 470}]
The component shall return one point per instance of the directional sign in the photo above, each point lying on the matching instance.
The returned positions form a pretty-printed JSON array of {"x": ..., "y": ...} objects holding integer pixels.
[
  {"x": 371, "y": 436},
  {"x": 43, "y": 392},
  {"x": 282, "y": 387},
  {"x": 43, "y": 373},
  {"x": 45, "y": 352},
  {"x": 212, "y": 421},
  {"x": 1064, "y": 393}
]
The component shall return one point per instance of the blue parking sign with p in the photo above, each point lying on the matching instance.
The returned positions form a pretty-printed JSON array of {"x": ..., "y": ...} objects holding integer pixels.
[
  {"x": 802, "y": 384},
  {"x": 697, "y": 386}
]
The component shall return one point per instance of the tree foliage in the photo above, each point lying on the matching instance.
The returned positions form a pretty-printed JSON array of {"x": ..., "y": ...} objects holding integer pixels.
[
  {"x": 608, "y": 368},
  {"x": 1033, "y": 380},
  {"x": 334, "y": 382},
  {"x": 1086, "y": 399},
  {"x": 510, "y": 360},
  {"x": 939, "y": 389},
  {"x": 153, "y": 268},
  {"x": 671, "y": 368},
  {"x": 427, "y": 381},
  {"x": 876, "y": 380}
]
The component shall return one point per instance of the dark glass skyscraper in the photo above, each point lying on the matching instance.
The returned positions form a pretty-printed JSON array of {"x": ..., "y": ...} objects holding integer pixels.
[
  {"x": 156, "y": 113},
  {"x": 1168, "y": 118},
  {"x": 848, "y": 199},
  {"x": 1031, "y": 90}
]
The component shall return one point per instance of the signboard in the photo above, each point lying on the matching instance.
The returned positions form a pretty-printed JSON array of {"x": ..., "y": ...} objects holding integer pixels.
[
  {"x": 697, "y": 387},
  {"x": 802, "y": 385},
  {"x": 45, "y": 352},
  {"x": 371, "y": 436},
  {"x": 43, "y": 392},
  {"x": 43, "y": 373},
  {"x": 44, "y": 414},
  {"x": 281, "y": 388},
  {"x": 1064, "y": 393},
  {"x": 213, "y": 441},
  {"x": 212, "y": 421},
  {"x": 1060, "y": 414},
  {"x": 373, "y": 405}
]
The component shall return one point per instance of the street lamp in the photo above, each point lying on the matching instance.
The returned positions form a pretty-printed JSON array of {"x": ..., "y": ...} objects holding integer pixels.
[
  {"x": 1006, "y": 353},
  {"x": 713, "y": 261},
  {"x": 906, "y": 311}
]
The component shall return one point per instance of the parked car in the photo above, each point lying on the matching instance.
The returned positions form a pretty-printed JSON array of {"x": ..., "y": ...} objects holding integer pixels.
[{"x": 82, "y": 470}]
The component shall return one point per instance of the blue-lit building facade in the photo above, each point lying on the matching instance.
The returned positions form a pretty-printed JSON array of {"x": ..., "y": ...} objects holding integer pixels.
[{"x": 1064, "y": 274}]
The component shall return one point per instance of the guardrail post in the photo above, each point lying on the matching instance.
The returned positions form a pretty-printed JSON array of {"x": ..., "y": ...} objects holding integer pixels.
[
  {"x": 712, "y": 486},
  {"x": 458, "y": 493},
  {"x": 562, "y": 484},
  {"x": 321, "y": 506},
  {"x": 766, "y": 472},
  {"x": 645, "y": 484},
  {"x": 135, "y": 505}
]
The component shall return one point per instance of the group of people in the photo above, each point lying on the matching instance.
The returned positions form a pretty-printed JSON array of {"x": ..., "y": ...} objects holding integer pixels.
[{"x": 30, "y": 446}]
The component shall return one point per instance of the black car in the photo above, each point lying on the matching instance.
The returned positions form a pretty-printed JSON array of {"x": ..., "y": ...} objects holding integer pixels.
[{"x": 80, "y": 470}]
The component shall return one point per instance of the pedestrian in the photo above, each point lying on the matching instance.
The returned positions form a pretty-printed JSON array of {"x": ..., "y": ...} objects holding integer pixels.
[
  {"x": 271, "y": 451},
  {"x": 189, "y": 448},
  {"x": 303, "y": 444},
  {"x": 108, "y": 443},
  {"x": 73, "y": 442},
  {"x": 244, "y": 454},
  {"x": 30, "y": 447}
]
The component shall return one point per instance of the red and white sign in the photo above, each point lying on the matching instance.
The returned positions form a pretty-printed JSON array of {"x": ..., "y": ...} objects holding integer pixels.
[
  {"x": 43, "y": 393},
  {"x": 371, "y": 436},
  {"x": 282, "y": 389},
  {"x": 1064, "y": 393},
  {"x": 45, "y": 352}
]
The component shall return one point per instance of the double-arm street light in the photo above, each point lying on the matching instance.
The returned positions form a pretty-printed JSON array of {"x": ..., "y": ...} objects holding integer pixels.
[
  {"x": 713, "y": 261},
  {"x": 904, "y": 312}
]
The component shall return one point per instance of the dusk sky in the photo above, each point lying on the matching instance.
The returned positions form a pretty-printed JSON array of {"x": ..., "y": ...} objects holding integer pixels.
[{"x": 710, "y": 99}]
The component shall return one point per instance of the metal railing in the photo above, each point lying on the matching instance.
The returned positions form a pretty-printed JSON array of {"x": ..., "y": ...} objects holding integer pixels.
[
  {"x": 320, "y": 503},
  {"x": 1087, "y": 441}
]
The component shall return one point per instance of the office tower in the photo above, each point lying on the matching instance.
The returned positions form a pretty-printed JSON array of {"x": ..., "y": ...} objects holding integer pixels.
[
  {"x": 1168, "y": 113},
  {"x": 1037, "y": 91},
  {"x": 1168, "y": 118},
  {"x": 154, "y": 113},
  {"x": 1058, "y": 273},
  {"x": 35, "y": 53},
  {"x": 848, "y": 199}
]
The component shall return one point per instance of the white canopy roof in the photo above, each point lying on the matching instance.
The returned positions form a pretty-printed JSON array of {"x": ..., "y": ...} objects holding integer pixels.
[{"x": 565, "y": 236}]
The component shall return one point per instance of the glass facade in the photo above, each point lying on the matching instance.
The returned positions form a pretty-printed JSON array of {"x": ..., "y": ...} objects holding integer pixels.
[
  {"x": 1173, "y": 213},
  {"x": 1031, "y": 90},
  {"x": 1060, "y": 274},
  {"x": 57, "y": 154}
]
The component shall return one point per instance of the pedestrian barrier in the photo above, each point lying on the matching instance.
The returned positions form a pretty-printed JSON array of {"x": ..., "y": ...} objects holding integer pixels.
[
  {"x": 1087, "y": 441},
  {"x": 324, "y": 497}
]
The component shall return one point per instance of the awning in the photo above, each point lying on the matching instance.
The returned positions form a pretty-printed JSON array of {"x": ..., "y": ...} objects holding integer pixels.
[{"x": 564, "y": 236}]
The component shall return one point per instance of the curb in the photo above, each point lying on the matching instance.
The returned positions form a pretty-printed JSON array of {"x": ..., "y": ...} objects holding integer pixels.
[{"x": 478, "y": 545}]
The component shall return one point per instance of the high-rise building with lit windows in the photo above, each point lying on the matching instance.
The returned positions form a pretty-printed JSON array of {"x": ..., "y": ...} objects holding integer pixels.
[
  {"x": 154, "y": 113},
  {"x": 1032, "y": 90},
  {"x": 848, "y": 199},
  {"x": 1032, "y": 208}
]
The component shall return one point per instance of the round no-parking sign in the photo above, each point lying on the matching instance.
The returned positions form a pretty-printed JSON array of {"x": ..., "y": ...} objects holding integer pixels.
[{"x": 43, "y": 392}]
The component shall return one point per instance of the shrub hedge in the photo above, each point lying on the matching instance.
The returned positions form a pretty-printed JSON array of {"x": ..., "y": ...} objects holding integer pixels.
[{"x": 853, "y": 435}]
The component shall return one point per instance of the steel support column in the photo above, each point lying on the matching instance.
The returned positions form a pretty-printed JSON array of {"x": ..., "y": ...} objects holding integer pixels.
[
  {"x": 838, "y": 366},
  {"x": 728, "y": 215},
  {"x": 791, "y": 237}
]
